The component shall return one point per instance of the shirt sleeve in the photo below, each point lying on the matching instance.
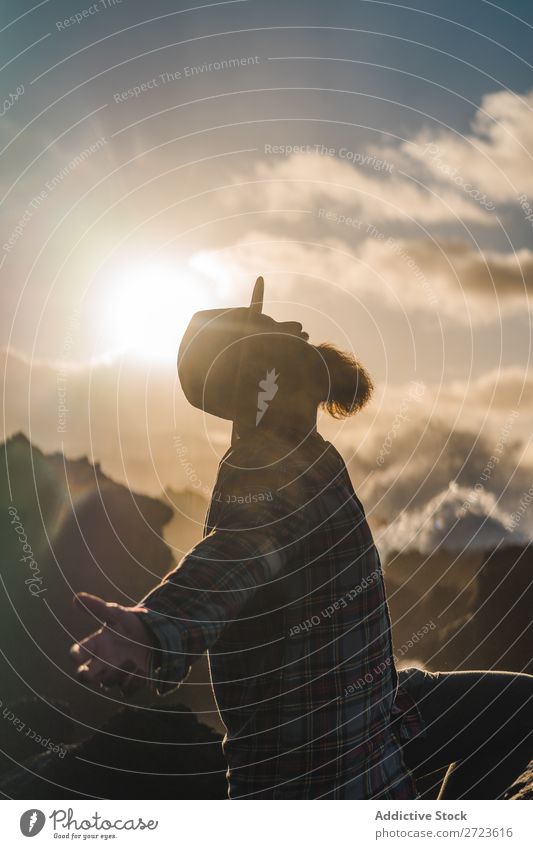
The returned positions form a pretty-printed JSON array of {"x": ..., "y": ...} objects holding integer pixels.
[{"x": 249, "y": 546}]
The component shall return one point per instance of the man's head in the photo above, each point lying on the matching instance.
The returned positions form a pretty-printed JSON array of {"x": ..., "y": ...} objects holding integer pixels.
[{"x": 242, "y": 365}]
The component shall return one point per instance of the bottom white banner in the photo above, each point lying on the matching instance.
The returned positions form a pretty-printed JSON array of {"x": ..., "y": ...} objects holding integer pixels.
[{"x": 274, "y": 825}]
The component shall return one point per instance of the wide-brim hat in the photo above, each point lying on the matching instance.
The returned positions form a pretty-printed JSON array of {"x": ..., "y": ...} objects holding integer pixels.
[{"x": 213, "y": 350}]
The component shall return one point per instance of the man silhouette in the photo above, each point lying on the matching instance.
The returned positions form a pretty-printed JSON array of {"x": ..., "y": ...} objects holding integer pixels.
[{"x": 286, "y": 594}]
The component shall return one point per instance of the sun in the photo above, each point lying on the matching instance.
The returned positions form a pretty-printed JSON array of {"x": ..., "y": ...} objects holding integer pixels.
[{"x": 149, "y": 305}]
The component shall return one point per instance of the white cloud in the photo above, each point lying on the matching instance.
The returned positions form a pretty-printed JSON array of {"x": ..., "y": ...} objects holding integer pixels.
[
  {"x": 494, "y": 157},
  {"x": 451, "y": 520},
  {"x": 449, "y": 279},
  {"x": 460, "y": 281},
  {"x": 471, "y": 436},
  {"x": 306, "y": 181}
]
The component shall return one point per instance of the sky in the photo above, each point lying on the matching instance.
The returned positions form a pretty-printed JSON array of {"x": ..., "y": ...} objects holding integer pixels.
[{"x": 371, "y": 159}]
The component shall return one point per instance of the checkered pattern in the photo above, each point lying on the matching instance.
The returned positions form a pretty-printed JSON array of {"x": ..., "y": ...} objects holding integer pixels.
[{"x": 286, "y": 592}]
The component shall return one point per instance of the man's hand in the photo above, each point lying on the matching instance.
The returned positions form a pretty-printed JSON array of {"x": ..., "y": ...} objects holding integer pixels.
[{"x": 119, "y": 653}]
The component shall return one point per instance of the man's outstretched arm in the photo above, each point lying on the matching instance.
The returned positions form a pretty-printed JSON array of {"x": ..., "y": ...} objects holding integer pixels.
[{"x": 157, "y": 641}]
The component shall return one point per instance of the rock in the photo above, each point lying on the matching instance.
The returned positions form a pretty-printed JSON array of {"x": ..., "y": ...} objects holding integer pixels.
[{"x": 155, "y": 752}]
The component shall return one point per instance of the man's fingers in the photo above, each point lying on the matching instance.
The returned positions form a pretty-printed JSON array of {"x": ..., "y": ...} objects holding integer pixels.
[
  {"x": 118, "y": 653},
  {"x": 96, "y": 673},
  {"x": 102, "y": 610},
  {"x": 86, "y": 649},
  {"x": 91, "y": 672}
]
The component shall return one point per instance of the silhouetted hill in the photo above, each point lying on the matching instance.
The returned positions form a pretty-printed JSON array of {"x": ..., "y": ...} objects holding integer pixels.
[{"x": 480, "y": 602}]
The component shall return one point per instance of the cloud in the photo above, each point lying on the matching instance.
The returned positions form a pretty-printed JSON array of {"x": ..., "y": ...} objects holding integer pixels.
[
  {"x": 428, "y": 452},
  {"x": 495, "y": 157},
  {"x": 500, "y": 389},
  {"x": 437, "y": 176},
  {"x": 450, "y": 274},
  {"x": 375, "y": 209},
  {"x": 469, "y": 439},
  {"x": 449, "y": 279},
  {"x": 445, "y": 522},
  {"x": 305, "y": 181}
]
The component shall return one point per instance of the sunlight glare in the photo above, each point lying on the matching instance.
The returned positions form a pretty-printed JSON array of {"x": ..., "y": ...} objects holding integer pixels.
[{"x": 150, "y": 306}]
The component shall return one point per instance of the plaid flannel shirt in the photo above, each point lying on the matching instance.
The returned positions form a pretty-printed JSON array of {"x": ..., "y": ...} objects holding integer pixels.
[{"x": 286, "y": 593}]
